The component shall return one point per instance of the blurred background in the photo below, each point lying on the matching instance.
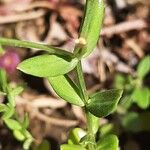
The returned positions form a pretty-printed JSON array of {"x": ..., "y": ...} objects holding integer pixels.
[{"x": 120, "y": 60}]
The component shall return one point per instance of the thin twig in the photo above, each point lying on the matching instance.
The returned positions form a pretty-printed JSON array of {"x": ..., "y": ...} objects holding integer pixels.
[
  {"x": 124, "y": 27},
  {"x": 33, "y": 110},
  {"x": 22, "y": 17},
  {"x": 135, "y": 47},
  {"x": 55, "y": 121},
  {"x": 42, "y": 102},
  {"x": 37, "y": 4}
]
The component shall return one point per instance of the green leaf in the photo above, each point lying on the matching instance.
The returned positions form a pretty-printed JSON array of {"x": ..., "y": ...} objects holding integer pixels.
[
  {"x": 9, "y": 111},
  {"x": 16, "y": 91},
  {"x": 72, "y": 147},
  {"x": 119, "y": 81},
  {"x": 144, "y": 67},
  {"x": 106, "y": 129},
  {"x": 93, "y": 121},
  {"x": 45, "y": 145},
  {"x": 141, "y": 96},
  {"x": 66, "y": 89},
  {"x": 134, "y": 122},
  {"x": 75, "y": 135},
  {"x": 12, "y": 93},
  {"x": 88, "y": 140},
  {"x": 27, "y": 143},
  {"x": 18, "y": 135},
  {"x": 48, "y": 65},
  {"x": 125, "y": 102},
  {"x": 3, "y": 107},
  {"x": 27, "y": 134},
  {"x": 109, "y": 142},
  {"x": 12, "y": 124},
  {"x": 91, "y": 26},
  {"x": 102, "y": 104},
  {"x": 32, "y": 45}
]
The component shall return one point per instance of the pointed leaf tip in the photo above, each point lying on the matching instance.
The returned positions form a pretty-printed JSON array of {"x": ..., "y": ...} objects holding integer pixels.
[{"x": 47, "y": 65}]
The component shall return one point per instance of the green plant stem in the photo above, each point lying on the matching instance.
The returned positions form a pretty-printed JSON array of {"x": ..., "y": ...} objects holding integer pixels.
[
  {"x": 82, "y": 86},
  {"x": 3, "y": 81},
  {"x": 81, "y": 82},
  {"x": 3, "y": 77},
  {"x": 26, "y": 44}
]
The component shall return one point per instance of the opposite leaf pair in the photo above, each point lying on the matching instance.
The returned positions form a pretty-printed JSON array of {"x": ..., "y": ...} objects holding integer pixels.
[
  {"x": 99, "y": 104},
  {"x": 53, "y": 67},
  {"x": 58, "y": 63}
]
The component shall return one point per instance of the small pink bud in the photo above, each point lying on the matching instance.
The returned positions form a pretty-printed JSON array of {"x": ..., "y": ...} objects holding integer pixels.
[{"x": 9, "y": 61}]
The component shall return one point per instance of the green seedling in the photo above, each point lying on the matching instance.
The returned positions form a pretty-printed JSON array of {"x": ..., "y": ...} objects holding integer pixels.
[{"x": 55, "y": 66}]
